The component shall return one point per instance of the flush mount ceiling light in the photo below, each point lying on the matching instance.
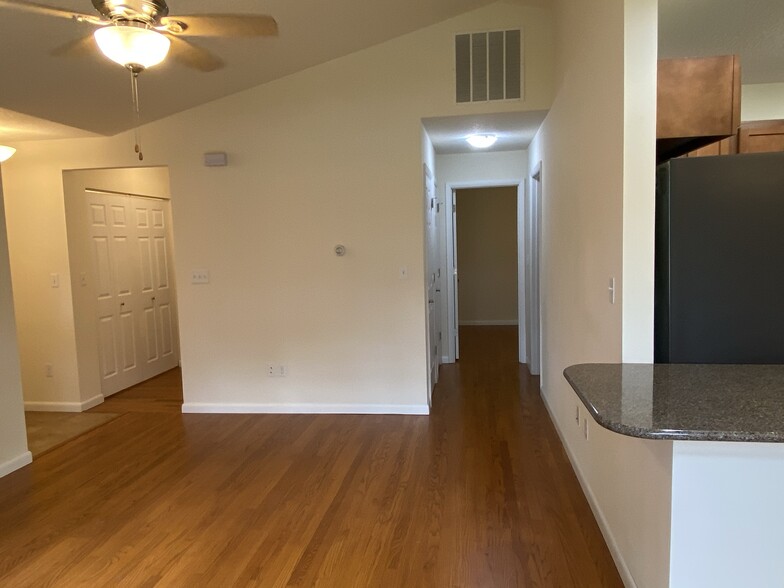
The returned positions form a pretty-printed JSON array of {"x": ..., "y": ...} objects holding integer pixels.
[
  {"x": 133, "y": 46},
  {"x": 6, "y": 153},
  {"x": 481, "y": 141}
]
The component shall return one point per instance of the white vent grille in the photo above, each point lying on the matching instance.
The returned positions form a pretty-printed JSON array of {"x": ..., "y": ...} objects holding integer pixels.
[{"x": 488, "y": 66}]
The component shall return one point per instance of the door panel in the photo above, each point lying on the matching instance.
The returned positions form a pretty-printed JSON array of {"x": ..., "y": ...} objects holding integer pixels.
[
  {"x": 145, "y": 259},
  {"x": 128, "y": 339},
  {"x": 107, "y": 339}
]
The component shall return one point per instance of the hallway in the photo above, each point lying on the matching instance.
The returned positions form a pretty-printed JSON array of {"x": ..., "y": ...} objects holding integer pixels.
[{"x": 479, "y": 494}]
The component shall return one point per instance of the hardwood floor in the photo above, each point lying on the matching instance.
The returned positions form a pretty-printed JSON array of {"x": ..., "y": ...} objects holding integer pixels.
[
  {"x": 162, "y": 393},
  {"x": 479, "y": 494}
]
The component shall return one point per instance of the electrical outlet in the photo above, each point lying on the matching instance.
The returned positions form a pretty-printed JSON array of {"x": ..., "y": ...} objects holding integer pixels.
[
  {"x": 49, "y": 370},
  {"x": 277, "y": 370},
  {"x": 54, "y": 280},
  {"x": 585, "y": 428},
  {"x": 200, "y": 276}
]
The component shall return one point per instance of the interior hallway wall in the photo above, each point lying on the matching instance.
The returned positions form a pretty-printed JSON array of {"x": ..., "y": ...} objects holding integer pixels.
[
  {"x": 13, "y": 436},
  {"x": 597, "y": 150},
  {"x": 487, "y": 256}
]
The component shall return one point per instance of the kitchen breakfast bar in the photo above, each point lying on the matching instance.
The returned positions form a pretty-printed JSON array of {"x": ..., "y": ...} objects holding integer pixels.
[{"x": 726, "y": 426}]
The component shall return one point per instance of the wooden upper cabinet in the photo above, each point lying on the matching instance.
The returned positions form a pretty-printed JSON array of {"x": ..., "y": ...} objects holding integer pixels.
[
  {"x": 761, "y": 136},
  {"x": 698, "y": 103}
]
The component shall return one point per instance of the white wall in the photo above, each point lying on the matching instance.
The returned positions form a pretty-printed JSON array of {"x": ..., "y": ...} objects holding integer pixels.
[
  {"x": 13, "y": 436},
  {"x": 592, "y": 206},
  {"x": 762, "y": 102},
  {"x": 727, "y": 515},
  {"x": 329, "y": 155},
  {"x": 465, "y": 170}
]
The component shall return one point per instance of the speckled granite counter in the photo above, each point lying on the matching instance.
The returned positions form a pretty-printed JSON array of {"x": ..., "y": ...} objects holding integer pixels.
[{"x": 684, "y": 402}]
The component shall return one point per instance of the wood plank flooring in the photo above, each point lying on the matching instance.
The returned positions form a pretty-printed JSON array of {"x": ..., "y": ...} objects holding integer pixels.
[{"x": 479, "y": 494}]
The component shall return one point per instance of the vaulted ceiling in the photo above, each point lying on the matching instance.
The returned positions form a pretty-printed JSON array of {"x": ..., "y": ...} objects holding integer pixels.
[
  {"x": 43, "y": 96},
  {"x": 92, "y": 94}
]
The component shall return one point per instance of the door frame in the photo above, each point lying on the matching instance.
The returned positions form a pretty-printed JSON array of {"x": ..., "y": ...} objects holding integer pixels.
[
  {"x": 533, "y": 224},
  {"x": 448, "y": 283}
]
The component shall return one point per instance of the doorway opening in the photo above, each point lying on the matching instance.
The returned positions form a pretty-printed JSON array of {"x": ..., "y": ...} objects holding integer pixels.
[
  {"x": 485, "y": 254},
  {"x": 511, "y": 286}
]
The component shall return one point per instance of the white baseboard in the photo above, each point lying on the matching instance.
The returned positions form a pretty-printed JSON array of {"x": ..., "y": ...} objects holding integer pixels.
[
  {"x": 14, "y": 464},
  {"x": 445, "y": 359},
  {"x": 401, "y": 409},
  {"x": 498, "y": 323},
  {"x": 33, "y": 406},
  {"x": 612, "y": 544}
]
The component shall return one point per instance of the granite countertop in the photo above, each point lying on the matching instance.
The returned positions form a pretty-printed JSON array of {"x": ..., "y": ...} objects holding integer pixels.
[{"x": 684, "y": 402}]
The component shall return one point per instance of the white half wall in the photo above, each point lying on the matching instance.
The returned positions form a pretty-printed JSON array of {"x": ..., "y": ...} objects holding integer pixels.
[
  {"x": 727, "y": 515},
  {"x": 13, "y": 436},
  {"x": 593, "y": 141}
]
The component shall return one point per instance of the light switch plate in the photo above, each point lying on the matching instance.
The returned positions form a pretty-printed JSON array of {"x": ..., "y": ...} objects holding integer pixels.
[{"x": 200, "y": 276}]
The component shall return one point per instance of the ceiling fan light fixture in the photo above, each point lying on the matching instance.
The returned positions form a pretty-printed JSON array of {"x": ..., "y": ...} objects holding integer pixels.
[
  {"x": 6, "y": 153},
  {"x": 132, "y": 46},
  {"x": 481, "y": 141}
]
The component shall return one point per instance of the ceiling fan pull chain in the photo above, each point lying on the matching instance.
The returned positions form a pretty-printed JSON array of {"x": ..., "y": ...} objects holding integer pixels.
[{"x": 136, "y": 115}]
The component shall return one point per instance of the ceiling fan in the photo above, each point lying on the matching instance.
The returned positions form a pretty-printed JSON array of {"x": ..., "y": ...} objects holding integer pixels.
[
  {"x": 139, "y": 34},
  {"x": 150, "y": 19}
]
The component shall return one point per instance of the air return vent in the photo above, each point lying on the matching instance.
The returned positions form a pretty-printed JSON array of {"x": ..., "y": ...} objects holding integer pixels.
[{"x": 487, "y": 66}]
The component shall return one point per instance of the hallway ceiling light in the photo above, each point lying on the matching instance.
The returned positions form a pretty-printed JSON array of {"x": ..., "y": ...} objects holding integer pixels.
[
  {"x": 481, "y": 141},
  {"x": 6, "y": 152}
]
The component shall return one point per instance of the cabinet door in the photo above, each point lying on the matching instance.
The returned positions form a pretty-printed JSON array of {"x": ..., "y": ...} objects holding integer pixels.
[{"x": 761, "y": 136}]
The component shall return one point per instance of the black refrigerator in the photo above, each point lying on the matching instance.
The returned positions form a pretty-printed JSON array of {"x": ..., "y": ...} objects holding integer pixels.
[{"x": 719, "y": 277}]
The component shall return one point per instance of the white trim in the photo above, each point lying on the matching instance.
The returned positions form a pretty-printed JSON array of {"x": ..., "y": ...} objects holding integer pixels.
[
  {"x": 445, "y": 359},
  {"x": 14, "y": 464},
  {"x": 497, "y": 323},
  {"x": 63, "y": 406},
  {"x": 612, "y": 544},
  {"x": 401, "y": 409}
]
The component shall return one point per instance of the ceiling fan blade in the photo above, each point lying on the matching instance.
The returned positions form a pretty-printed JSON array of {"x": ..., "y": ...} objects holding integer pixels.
[
  {"x": 222, "y": 25},
  {"x": 190, "y": 55},
  {"x": 50, "y": 11},
  {"x": 82, "y": 47}
]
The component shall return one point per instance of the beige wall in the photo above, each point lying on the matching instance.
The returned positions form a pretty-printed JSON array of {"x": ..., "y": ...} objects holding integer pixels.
[
  {"x": 596, "y": 150},
  {"x": 762, "y": 102},
  {"x": 13, "y": 437},
  {"x": 487, "y": 255},
  {"x": 329, "y": 155}
]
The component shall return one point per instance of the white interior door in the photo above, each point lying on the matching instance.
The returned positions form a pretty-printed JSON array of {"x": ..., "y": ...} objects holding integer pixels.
[
  {"x": 158, "y": 332},
  {"x": 130, "y": 244}
]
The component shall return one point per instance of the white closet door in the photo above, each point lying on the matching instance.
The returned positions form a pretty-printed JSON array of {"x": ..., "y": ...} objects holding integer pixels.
[
  {"x": 158, "y": 326},
  {"x": 112, "y": 238},
  {"x": 137, "y": 321}
]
